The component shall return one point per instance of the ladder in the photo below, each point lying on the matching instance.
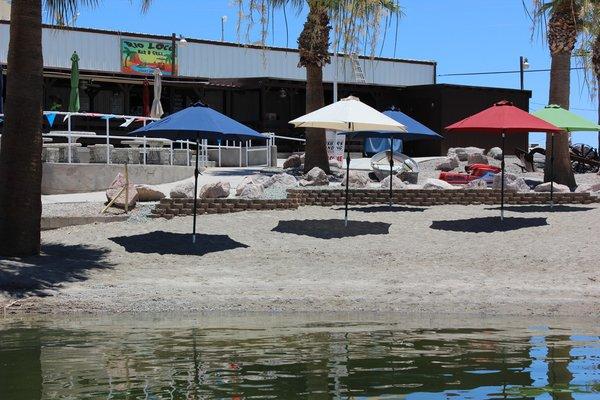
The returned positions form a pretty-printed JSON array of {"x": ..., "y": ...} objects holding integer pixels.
[{"x": 359, "y": 76}]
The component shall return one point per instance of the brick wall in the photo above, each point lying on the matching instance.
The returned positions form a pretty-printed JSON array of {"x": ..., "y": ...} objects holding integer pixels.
[{"x": 168, "y": 208}]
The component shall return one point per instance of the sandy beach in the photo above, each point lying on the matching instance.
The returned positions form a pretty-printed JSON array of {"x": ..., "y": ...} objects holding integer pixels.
[{"x": 443, "y": 259}]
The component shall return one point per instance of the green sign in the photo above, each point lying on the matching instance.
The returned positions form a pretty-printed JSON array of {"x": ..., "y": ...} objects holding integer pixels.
[{"x": 144, "y": 56}]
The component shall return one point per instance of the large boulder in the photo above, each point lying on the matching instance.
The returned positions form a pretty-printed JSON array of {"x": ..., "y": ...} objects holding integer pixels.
[
  {"x": 357, "y": 180},
  {"x": 184, "y": 190},
  {"x": 114, "y": 192},
  {"x": 281, "y": 181},
  {"x": 448, "y": 164},
  {"x": 396, "y": 183},
  {"x": 256, "y": 179},
  {"x": 293, "y": 161},
  {"x": 215, "y": 190},
  {"x": 495, "y": 153},
  {"x": 463, "y": 152},
  {"x": 438, "y": 184},
  {"x": 476, "y": 184},
  {"x": 512, "y": 183},
  {"x": 149, "y": 193},
  {"x": 316, "y": 177},
  {"x": 558, "y": 188},
  {"x": 588, "y": 188},
  {"x": 251, "y": 191},
  {"x": 477, "y": 158}
]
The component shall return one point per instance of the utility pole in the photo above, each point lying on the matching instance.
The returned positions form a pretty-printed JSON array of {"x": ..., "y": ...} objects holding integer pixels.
[
  {"x": 223, "y": 20},
  {"x": 523, "y": 65},
  {"x": 174, "y": 53}
]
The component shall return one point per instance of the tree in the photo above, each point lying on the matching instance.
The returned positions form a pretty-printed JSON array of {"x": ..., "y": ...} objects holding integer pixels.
[
  {"x": 21, "y": 146},
  {"x": 565, "y": 24},
  {"x": 358, "y": 22}
]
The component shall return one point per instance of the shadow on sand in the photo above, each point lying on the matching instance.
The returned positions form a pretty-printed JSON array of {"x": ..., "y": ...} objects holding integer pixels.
[
  {"x": 57, "y": 264},
  {"x": 542, "y": 208},
  {"x": 488, "y": 224},
  {"x": 176, "y": 243},
  {"x": 383, "y": 208},
  {"x": 332, "y": 228}
]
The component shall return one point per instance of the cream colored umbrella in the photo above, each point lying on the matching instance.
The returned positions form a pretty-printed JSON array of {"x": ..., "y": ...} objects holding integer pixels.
[
  {"x": 348, "y": 115},
  {"x": 157, "y": 110}
]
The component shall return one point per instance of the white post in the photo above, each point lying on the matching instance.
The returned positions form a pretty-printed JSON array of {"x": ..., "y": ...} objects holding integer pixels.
[
  {"x": 107, "y": 140},
  {"x": 145, "y": 150},
  {"x": 187, "y": 143},
  {"x": 171, "y": 152},
  {"x": 219, "y": 143},
  {"x": 69, "y": 157}
]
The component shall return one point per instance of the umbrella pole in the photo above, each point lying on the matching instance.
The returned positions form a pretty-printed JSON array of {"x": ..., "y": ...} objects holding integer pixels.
[
  {"x": 502, "y": 185},
  {"x": 196, "y": 172},
  {"x": 552, "y": 170},
  {"x": 391, "y": 166},
  {"x": 347, "y": 182}
]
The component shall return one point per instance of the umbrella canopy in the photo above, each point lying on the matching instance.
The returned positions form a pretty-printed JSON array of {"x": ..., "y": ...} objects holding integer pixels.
[
  {"x": 74, "y": 96},
  {"x": 157, "y": 109},
  {"x": 502, "y": 117},
  {"x": 197, "y": 121},
  {"x": 146, "y": 98},
  {"x": 414, "y": 129},
  {"x": 566, "y": 120},
  {"x": 349, "y": 114}
]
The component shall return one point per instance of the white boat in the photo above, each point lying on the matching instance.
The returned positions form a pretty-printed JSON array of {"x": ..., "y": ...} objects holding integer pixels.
[{"x": 380, "y": 163}]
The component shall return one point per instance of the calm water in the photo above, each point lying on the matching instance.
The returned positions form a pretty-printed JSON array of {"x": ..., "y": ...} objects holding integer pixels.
[{"x": 239, "y": 357}]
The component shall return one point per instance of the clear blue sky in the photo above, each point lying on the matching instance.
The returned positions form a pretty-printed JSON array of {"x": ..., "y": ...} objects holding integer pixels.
[{"x": 461, "y": 35}]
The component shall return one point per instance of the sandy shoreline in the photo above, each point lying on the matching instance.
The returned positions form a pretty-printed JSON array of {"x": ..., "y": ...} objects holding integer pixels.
[{"x": 443, "y": 259}]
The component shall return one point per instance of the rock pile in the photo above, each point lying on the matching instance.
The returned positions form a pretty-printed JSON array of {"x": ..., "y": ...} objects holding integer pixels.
[
  {"x": 315, "y": 177},
  {"x": 357, "y": 180}
]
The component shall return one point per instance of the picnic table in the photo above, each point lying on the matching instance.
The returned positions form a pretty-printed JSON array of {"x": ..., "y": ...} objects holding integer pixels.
[
  {"x": 153, "y": 142},
  {"x": 75, "y": 135}
]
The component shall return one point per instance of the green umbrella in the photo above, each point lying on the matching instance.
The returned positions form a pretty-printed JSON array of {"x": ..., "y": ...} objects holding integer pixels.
[
  {"x": 74, "y": 97},
  {"x": 567, "y": 121}
]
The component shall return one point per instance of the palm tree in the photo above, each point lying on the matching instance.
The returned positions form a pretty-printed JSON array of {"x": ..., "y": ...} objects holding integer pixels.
[
  {"x": 358, "y": 22},
  {"x": 565, "y": 24},
  {"x": 21, "y": 147}
]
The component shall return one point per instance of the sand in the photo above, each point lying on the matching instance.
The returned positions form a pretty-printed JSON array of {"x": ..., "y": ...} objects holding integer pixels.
[{"x": 443, "y": 259}]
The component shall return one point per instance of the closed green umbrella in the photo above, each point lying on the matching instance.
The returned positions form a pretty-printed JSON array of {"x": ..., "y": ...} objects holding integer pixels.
[
  {"x": 567, "y": 121},
  {"x": 74, "y": 97}
]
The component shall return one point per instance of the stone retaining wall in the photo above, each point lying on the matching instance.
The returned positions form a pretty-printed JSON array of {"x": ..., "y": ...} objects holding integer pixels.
[
  {"x": 422, "y": 197},
  {"x": 168, "y": 208}
]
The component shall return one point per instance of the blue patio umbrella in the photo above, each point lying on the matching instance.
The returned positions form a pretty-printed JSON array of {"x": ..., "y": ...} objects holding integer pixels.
[
  {"x": 414, "y": 131},
  {"x": 194, "y": 123}
]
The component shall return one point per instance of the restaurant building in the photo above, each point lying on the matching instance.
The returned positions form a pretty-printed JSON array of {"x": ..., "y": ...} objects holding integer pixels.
[{"x": 262, "y": 87}]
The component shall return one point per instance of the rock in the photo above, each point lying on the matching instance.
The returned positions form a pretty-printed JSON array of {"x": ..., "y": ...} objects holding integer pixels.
[
  {"x": 437, "y": 184},
  {"x": 216, "y": 190},
  {"x": 588, "y": 188},
  {"x": 184, "y": 190},
  {"x": 396, "y": 183},
  {"x": 357, "y": 179},
  {"x": 256, "y": 179},
  {"x": 476, "y": 184},
  {"x": 149, "y": 193},
  {"x": 317, "y": 177},
  {"x": 477, "y": 158},
  {"x": 463, "y": 152},
  {"x": 511, "y": 183},
  {"x": 251, "y": 191},
  {"x": 448, "y": 164},
  {"x": 293, "y": 161},
  {"x": 281, "y": 181},
  {"x": 495, "y": 153},
  {"x": 114, "y": 191},
  {"x": 558, "y": 188}
]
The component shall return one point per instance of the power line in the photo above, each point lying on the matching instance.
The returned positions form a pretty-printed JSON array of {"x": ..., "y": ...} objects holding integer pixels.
[{"x": 505, "y": 72}]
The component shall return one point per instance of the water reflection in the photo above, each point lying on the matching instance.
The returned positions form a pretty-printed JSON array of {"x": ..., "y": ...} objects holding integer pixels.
[{"x": 179, "y": 358}]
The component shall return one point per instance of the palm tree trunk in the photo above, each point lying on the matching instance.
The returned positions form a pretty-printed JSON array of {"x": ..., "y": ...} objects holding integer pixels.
[
  {"x": 316, "y": 149},
  {"x": 313, "y": 45},
  {"x": 560, "y": 86},
  {"x": 20, "y": 152}
]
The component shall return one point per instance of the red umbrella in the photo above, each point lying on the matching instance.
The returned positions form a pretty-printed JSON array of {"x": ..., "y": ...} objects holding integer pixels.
[
  {"x": 502, "y": 118},
  {"x": 146, "y": 98}
]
